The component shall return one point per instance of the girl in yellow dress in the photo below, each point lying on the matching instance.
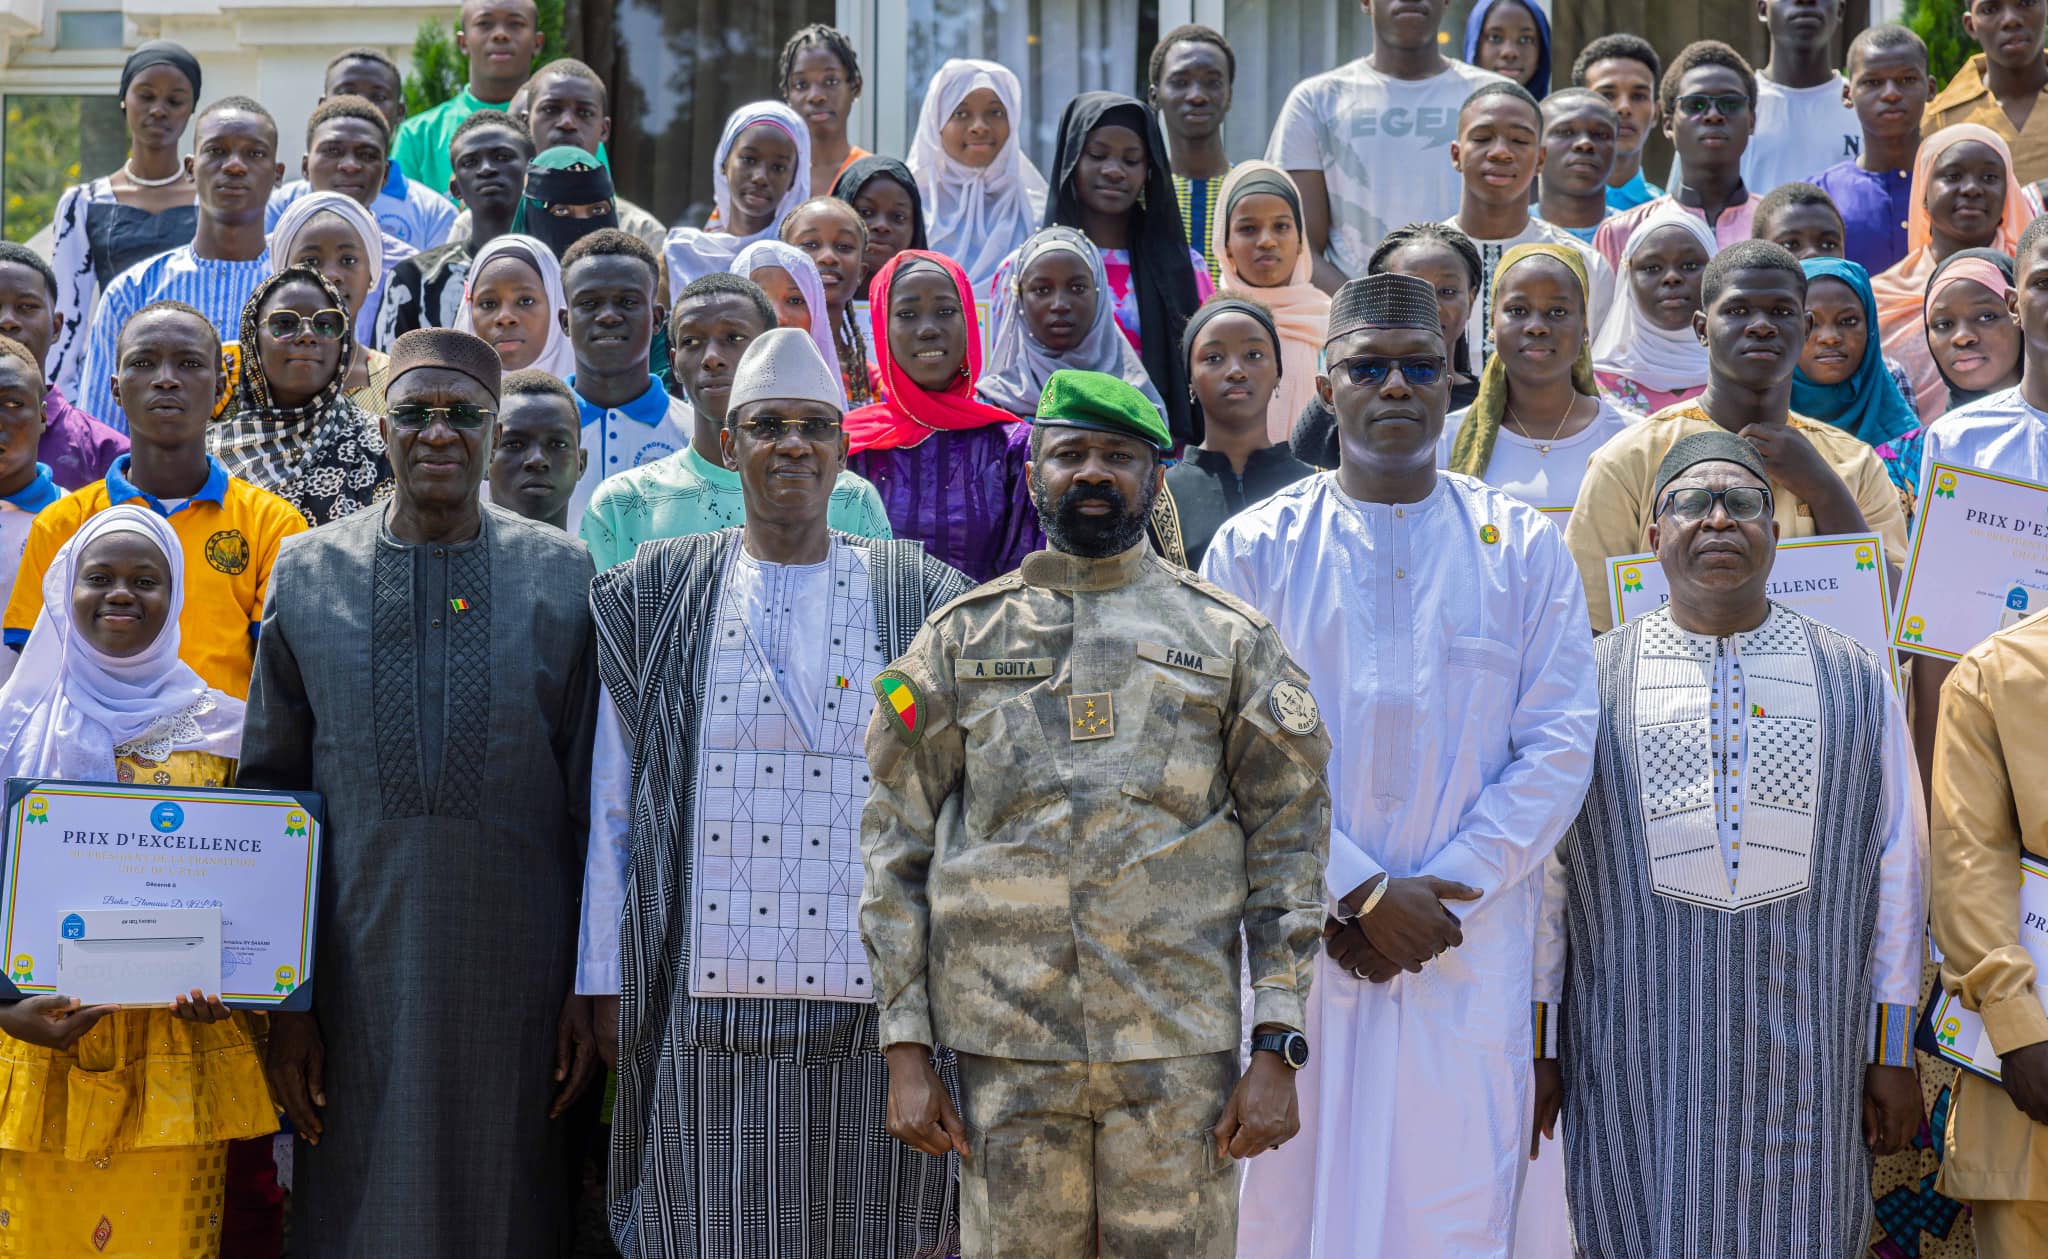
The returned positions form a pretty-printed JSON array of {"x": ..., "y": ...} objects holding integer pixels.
[{"x": 114, "y": 1123}]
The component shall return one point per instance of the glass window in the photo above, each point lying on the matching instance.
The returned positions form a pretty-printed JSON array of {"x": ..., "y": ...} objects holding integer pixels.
[
  {"x": 48, "y": 143},
  {"x": 676, "y": 68},
  {"x": 1057, "y": 48},
  {"x": 94, "y": 29},
  {"x": 1278, "y": 44}
]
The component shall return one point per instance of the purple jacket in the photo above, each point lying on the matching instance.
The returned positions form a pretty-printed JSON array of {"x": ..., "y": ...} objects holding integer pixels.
[
  {"x": 78, "y": 448},
  {"x": 963, "y": 494}
]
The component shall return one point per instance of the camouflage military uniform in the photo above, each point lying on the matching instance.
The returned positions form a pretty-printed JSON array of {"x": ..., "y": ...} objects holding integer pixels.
[{"x": 1088, "y": 775}]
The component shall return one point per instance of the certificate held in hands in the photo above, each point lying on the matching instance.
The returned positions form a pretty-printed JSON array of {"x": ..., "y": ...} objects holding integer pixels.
[
  {"x": 1949, "y": 1031},
  {"x": 109, "y": 888},
  {"x": 1979, "y": 561}
]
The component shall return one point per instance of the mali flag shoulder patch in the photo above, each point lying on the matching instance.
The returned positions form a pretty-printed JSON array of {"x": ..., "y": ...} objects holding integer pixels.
[{"x": 900, "y": 699}]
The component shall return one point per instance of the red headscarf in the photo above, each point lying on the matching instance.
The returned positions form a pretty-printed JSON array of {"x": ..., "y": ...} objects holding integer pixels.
[{"x": 909, "y": 413}]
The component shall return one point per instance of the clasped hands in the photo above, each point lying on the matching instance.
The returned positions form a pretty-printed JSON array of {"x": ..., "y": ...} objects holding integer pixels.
[{"x": 1408, "y": 928}]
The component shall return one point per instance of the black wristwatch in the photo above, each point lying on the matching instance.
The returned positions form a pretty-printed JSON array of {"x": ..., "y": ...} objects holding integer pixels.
[{"x": 1291, "y": 1046}]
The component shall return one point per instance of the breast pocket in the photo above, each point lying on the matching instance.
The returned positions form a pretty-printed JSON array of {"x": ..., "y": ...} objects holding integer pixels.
[
  {"x": 1480, "y": 677},
  {"x": 1176, "y": 761},
  {"x": 1009, "y": 762}
]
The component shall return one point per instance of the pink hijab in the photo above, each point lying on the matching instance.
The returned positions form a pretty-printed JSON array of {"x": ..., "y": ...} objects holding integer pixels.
[{"x": 1902, "y": 291}]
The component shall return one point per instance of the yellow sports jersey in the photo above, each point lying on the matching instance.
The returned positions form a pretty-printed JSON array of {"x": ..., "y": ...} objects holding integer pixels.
[{"x": 231, "y": 531}]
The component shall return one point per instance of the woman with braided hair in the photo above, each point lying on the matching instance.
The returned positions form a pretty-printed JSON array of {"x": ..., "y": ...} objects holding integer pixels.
[{"x": 832, "y": 233}]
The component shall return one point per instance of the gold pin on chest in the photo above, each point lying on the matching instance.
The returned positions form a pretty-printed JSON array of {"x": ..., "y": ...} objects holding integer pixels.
[{"x": 1092, "y": 717}]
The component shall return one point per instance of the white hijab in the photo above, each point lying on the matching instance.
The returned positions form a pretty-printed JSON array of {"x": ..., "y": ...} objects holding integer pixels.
[
  {"x": 976, "y": 216},
  {"x": 557, "y": 357},
  {"x": 775, "y": 253},
  {"x": 69, "y": 704},
  {"x": 1632, "y": 347},
  {"x": 695, "y": 252},
  {"x": 284, "y": 237}
]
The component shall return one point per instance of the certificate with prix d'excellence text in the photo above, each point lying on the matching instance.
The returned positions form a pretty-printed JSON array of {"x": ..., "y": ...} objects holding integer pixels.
[
  {"x": 1836, "y": 579},
  {"x": 1979, "y": 560},
  {"x": 70, "y": 848}
]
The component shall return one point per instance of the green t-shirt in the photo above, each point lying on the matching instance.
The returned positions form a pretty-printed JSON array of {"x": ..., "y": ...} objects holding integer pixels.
[{"x": 686, "y": 493}]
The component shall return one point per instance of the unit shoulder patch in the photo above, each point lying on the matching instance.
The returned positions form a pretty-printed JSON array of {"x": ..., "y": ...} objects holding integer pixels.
[{"x": 1294, "y": 708}]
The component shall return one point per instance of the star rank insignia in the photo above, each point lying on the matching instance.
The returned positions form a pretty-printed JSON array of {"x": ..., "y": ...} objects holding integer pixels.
[{"x": 1092, "y": 717}]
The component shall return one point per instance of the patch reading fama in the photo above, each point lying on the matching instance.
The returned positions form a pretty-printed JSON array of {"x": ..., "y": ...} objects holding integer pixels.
[
  {"x": 900, "y": 700},
  {"x": 1180, "y": 658},
  {"x": 1294, "y": 708},
  {"x": 1029, "y": 669}
]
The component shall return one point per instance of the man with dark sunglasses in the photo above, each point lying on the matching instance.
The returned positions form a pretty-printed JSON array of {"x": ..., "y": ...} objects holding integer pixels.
[
  {"x": 1442, "y": 626},
  {"x": 724, "y": 852},
  {"x": 1733, "y": 929},
  {"x": 428, "y": 667},
  {"x": 1708, "y": 101},
  {"x": 1753, "y": 322}
]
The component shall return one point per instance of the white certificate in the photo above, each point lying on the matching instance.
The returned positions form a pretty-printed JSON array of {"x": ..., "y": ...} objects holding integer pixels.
[
  {"x": 1837, "y": 579},
  {"x": 138, "y": 957},
  {"x": 1949, "y": 1031},
  {"x": 1979, "y": 561},
  {"x": 73, "y": 848}
]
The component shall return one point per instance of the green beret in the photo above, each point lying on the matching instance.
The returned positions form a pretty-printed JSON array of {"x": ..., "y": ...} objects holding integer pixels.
[{"x": 1100, "y": 401}]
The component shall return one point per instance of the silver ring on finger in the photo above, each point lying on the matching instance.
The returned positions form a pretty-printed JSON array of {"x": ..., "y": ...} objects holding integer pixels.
[{"x": 1358, "y": 973}]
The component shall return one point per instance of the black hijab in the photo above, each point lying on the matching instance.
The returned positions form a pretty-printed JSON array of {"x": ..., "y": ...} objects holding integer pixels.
[
  {"x": 1162, "y": 274},
  {"x": 859, "y": 174}
]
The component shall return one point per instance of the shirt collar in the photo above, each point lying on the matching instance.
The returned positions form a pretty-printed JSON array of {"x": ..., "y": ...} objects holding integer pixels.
[
  {"x": 121, "y": 490},
  {"x": 1057, "y": 570},
  {"x": 37, "y": 494},
  {"x": 1686, "y": 197},
  {"x": 648, "y": 410},
  {"x": 716, "y": 473},
  {"x": 394, "y": 180},
  {"x": 475, "y": 102}
]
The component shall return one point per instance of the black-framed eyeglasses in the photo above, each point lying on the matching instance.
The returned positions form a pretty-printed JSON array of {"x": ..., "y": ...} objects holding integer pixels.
[
  {"x": 461, "y": 416},
  {"x": 1726, "y": 104},
  {"x": 773, "y": 428},
  {"x": 1372, "y": 369},
  {"x": 1743, "y": 503},
  {"x": 285, "y": 325}
]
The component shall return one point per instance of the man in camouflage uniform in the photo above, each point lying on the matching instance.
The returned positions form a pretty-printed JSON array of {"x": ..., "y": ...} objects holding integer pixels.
[{"x": 1089, "y": 775}]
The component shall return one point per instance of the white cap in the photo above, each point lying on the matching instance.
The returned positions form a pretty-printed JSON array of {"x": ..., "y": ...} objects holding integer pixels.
[{"x": 783, "y": 363}]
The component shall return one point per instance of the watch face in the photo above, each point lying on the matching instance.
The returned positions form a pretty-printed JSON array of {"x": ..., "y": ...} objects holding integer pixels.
[{"x": 1295, "y": 1051}]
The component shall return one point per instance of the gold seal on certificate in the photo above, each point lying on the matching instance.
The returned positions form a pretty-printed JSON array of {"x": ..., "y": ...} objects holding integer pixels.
[
  {"x": 1836, "y": 579},
  {"x": 1979, "y": 561},
  {"x": 110, "y": 881}
]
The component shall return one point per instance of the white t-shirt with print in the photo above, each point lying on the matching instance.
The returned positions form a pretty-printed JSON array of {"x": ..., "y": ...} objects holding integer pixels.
[{"x": 1383, "y": 145}]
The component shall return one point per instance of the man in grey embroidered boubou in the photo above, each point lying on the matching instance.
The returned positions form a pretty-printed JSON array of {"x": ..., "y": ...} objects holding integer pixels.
[
  {"x": 427, "y": 668},
  {"x": 1090, "y": 775},
  {"x": 1735, "y": 923},
  {"x": 721, "y": 892}
]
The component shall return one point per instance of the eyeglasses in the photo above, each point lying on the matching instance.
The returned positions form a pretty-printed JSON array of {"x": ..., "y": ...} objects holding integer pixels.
[
  {"x": 462, "y": 416},
  {"x": 1743, "y": 503},
  {"x": 285, "y": 325},
  {"x": 774, "y": 428},
  {"x": 1728, "y": 105},
  {"x": 1371, "y": 369}
]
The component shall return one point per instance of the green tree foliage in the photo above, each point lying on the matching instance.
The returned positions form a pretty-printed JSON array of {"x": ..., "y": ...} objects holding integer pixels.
[
  {"x": 1940, "y": 23},
  {"x": 42, "y": 157},
  {"x": 439, "y": 71}
]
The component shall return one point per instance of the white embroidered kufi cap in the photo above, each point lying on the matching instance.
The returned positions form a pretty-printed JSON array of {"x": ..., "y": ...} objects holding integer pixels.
[{"x": 784, "y": 363}]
